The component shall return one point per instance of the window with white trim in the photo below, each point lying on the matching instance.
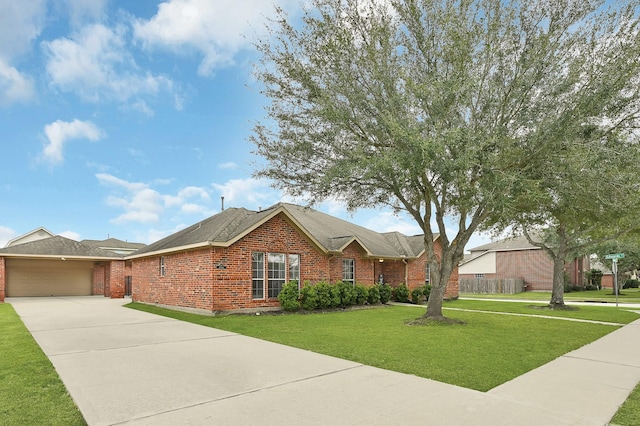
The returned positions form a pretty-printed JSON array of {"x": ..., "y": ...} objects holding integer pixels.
[
  {"x": 162, "y": 267},
  {"x": 273, "y": 270},
  {"x": 478, "y": 276},
  {"x": 427, "y": 277},
  {"x": 294, "y": 268},
  {"x": 257, "y": 275},
  {"x": 348, "y": 270},
  {"x": 277, "y": 270}
]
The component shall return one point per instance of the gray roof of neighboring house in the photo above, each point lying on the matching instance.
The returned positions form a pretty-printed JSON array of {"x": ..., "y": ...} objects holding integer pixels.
[
  {"x": 113, "y": 243},
  {"x": 512, "y": 243},
  {"x": 329, "y": 233},
  {"x": 57, "y": 246}
]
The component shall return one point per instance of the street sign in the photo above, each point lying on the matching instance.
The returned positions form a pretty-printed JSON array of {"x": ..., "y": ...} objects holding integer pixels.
[{"x": 614, "y": 256}]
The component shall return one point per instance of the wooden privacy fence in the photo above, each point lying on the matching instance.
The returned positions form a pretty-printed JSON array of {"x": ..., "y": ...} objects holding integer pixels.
[{"x": 492, "y": 286}]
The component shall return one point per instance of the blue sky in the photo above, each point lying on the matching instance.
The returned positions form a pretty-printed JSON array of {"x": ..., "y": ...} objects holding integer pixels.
[{"x": 130, "y": 119}]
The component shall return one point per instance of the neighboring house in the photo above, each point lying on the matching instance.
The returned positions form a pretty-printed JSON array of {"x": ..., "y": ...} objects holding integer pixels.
[
  {"x": 607, "y": 274},
  {"x": 517, "y": 258},
  {"x": 57, "y": 266},
  {"x": 240, "y": 259},
  {"x": 35, "y": 235}
]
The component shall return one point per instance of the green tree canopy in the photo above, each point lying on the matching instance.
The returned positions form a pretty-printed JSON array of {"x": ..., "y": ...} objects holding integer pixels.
[{"x": 440, "y": 108}]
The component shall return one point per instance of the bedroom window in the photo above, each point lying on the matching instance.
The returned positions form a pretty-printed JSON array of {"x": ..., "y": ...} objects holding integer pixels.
[
  {"x": 348, "y": 270},
  {"x": 162, "y": 269},
  {"x": 277, "y": 271},
  {"x": 294, "y": 268},
  {"x": 257, "y": 273}
]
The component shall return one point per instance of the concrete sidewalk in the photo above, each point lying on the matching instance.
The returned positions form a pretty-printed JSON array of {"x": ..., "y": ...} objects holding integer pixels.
[{"x": 128, "y": 367}]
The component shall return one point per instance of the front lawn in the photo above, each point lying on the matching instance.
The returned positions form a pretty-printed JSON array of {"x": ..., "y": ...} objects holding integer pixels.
[
  {"x": 486, "y": 352},
  {"x": 627, "y": 295},
  {"x": 31, "y": 393}
]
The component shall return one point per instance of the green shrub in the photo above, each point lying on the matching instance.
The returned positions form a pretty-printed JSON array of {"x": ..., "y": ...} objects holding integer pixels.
[
  {"x": 361, "y": 294},
  {"x": 328, "y": 296},
  {"x": 401, "y": 293},
  {"x": 347, "y": 293},
  {"x": 416, "y": 295},
  {"x": 289, "y": 296},
  {"x": 631, "y": 284},
  {"x": 373, "y": 295},
  {"x": 385, "y": 292},
  {"x": 309, "y": 297},
  {"x": 427, "y": 291}
]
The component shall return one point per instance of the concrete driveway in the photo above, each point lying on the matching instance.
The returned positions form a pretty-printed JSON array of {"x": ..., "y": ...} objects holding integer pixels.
[{"x": 123, "y": 366}]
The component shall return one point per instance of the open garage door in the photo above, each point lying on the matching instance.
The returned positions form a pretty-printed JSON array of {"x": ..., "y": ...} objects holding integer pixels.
[{"x": 34, "y": 277}]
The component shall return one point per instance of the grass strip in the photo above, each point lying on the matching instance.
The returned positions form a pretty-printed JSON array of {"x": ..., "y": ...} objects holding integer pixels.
[
  {"x": 485, "y": 352},
  {"x": 593, "y": 313},
  {"x": 31, "y": 392},
  {"x": 629, "y": 295},
  {"x": 629, "y": 413}
]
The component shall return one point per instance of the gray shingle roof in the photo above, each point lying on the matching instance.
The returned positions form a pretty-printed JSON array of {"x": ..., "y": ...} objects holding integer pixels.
[
  {"x": 512, "y": 243},
  {"x": 57, "y": 246},
  {"x": 329, "y": 233},
  {"x": 113, "y": 243}
]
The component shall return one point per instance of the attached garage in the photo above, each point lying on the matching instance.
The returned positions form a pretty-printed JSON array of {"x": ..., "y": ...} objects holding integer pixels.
[
  {"x": 58, "y": 266},
  {"x": 35, "y": 277}
]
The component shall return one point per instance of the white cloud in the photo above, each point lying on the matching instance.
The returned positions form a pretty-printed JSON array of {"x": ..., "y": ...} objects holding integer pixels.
[
  {"x": 386, "y": 221},
  {"x": 59, "y": 132},
  {"x": 227, "y": 166},
  {"x": 96, "y": 65},
  {"x": 250, "y": 193},
  {"x": 20, "y": 24},
  {"x": 71, "y": 235},
  {"x": 14, "y": 86},
  {"x": 6, "y": 234},
  {"x": 143, "y": 204},
  {"x": 216, "y": 30},
  {"x": 81, "y": 11}
]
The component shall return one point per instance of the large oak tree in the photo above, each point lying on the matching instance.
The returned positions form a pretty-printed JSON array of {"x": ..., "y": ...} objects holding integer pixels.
[{"x": 435, "y": 107}]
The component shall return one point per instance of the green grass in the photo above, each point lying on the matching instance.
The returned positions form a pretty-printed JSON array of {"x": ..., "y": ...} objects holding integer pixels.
[
  {"x": 594, "y": 313},
  {"x": 31, "y": 393},
  {"x": 629, "y": 412},
  {"x": 630, "y": 295},
  {"x": 485, "y": 352}
]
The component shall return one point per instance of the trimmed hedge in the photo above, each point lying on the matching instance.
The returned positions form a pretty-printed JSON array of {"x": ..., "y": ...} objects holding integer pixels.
[{"x": 323, "y": 295}]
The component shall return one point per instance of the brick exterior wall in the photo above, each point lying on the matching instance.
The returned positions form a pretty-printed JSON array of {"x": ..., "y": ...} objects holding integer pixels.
[
  {"x": 220, "y": 279},
  {"x": 98, "y": 278},
  {"x": 116, "y": 279},
  {"x": 535, "y": 267},
  {"x": 3, "y": 279}
]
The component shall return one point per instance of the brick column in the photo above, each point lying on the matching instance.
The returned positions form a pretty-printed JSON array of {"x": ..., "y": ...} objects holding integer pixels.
[
  {"x": 116, "y": 279},
  {"x": 3, "y": 281}
]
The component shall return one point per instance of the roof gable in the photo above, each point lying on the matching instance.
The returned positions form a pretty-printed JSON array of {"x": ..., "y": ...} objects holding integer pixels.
[
  {"x": 57, "y": 246},
  {"x": 328, "y": 233},
  {"x": 35, "y": 235}
]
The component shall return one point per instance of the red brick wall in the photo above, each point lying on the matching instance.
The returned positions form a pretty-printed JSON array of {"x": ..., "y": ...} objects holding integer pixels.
[
  {"x": 534, "y": 266},
  {"x": 607, "y": 281},
  {"x": 364, "y": 268},
  {"x": 3, "y": 280},
  {"x": 98, "y": 278},
  {"x": 116, "y": 279},
  {"x": 187, "y": 281}
]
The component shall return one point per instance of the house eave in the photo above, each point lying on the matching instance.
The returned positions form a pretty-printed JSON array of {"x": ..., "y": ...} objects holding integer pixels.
[
  {"x": 58, "y": 257},
  {"x": 187, "y": 247}
]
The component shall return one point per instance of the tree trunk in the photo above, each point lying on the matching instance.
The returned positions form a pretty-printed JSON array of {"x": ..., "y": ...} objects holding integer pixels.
[
  {"x": 557, "y": 294},
  {"x": 434, "y": 304},
  {"x": 438, "y": 288}
]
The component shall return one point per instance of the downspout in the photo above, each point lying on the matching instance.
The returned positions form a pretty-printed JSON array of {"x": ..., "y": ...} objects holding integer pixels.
[{"x": 406, "y": 271}]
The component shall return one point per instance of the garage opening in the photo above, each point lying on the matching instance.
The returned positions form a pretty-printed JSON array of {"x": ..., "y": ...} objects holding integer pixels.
[{"x": 39, "y": 277}]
